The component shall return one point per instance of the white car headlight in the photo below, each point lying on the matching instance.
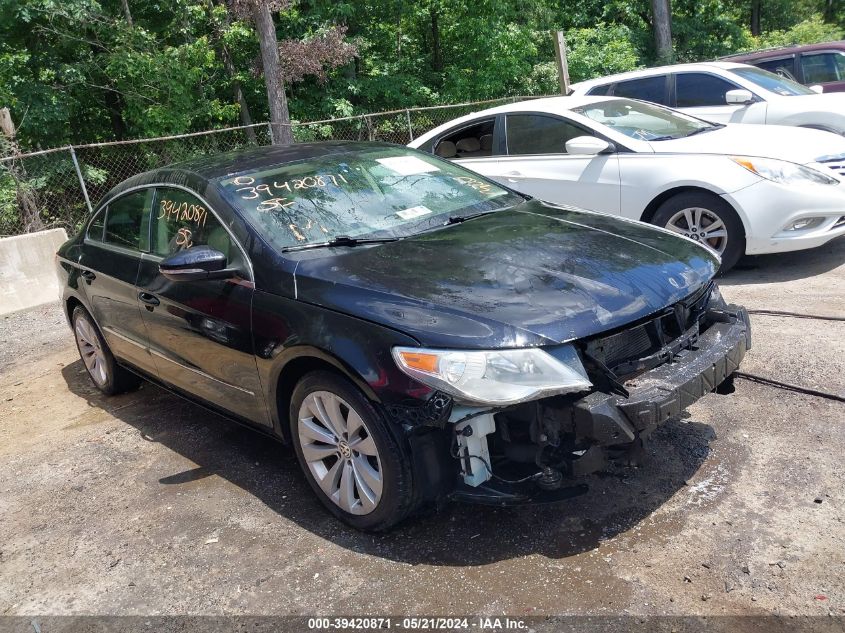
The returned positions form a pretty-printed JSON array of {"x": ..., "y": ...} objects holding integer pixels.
[
  {"x": 783, "y": 171},
  {"x": 495, "y": 377}
]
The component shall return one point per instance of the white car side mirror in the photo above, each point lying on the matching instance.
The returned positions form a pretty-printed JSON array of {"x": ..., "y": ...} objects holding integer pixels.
[
  {"x": 588, "y": 145},
  {"x": 739, "y": 97},
  {"x": 817, "y": 89}
]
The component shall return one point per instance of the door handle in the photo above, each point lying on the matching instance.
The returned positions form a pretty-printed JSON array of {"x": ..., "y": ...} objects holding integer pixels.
[
  {"x": 150, "y": 300},
  {"x": 88, "y": 275}
]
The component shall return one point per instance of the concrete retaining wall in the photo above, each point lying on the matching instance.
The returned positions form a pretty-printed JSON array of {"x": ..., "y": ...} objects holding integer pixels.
[{"x": 28, "y": 269}]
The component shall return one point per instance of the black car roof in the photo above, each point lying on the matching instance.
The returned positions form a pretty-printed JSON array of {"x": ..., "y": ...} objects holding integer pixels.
[{"x": 217, "y": 165}]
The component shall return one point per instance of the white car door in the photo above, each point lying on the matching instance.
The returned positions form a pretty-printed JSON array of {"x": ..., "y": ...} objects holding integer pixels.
[
  {"x": 703, "y": 95},
  {"x": 536, "y": 163}
]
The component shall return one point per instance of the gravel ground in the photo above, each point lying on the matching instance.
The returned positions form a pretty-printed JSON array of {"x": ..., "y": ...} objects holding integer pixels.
[{"x": 145, "y": 504}]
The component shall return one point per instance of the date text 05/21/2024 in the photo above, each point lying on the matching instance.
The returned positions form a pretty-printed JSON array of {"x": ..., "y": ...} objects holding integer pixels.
[{"x": 485, "y": 623}]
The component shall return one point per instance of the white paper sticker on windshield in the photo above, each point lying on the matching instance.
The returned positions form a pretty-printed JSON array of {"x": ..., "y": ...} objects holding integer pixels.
[
  {"x": 413, "y": 212},
  {"x": 407, "y": 165}
]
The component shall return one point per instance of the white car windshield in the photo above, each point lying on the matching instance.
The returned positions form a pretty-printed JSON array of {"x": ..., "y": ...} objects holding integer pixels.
[
  {"x": 644, "y": 121},
  {"x": 772, "y": 82}
]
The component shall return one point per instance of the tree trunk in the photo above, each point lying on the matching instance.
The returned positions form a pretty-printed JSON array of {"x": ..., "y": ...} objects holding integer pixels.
[
  {"x": 279, "y": 116},
  {"x": 829, "y": 11},
  {"x": 436, "y": 51},
  {"x": 662, "y": 30},
  {"x": 755, "y": 17},
  {"x": 126, "y": 12},
  {"x": 30, "y": 215},
  {"x": 231, "y": 71},
  {"x": 114, "y": 105},
  {"x": 246, "y": 118}
]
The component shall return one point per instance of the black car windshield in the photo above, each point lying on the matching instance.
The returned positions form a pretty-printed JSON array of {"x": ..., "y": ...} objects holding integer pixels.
[
  {"x": 772, "y": 82},
  {"x": 389, "y": 192},
  {"x": 643, "y": 121}
]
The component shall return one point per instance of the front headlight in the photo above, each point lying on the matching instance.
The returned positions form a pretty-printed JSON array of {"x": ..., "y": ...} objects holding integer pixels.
[
  {"x": 782, "y": 171},
  {"x": 496, "y": 377}
]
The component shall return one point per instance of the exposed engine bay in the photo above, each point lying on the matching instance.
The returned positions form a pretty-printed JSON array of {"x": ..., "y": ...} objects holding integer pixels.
[{"x": 643, "y": 375}]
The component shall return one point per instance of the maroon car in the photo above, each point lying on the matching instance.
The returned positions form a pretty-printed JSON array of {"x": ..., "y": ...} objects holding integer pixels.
[{"x": 812, "y": 64}]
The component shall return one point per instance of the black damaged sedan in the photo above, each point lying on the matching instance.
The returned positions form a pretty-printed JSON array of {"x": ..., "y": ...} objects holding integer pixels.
[{"x": 415, "y": 331}]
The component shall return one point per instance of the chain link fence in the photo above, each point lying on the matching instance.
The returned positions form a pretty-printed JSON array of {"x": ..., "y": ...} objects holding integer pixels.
[{"x": 58, "y": 187}]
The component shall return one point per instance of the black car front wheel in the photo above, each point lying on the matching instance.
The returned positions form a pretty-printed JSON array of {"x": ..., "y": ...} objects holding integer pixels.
[
  {"x": 707, "y": 219},
  {"x": 353, "y": 460},
  {"x": 105, "y": 373}
]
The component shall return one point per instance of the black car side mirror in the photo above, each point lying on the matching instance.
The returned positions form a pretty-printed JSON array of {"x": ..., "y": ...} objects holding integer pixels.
[{"x": 195, "y": 263}]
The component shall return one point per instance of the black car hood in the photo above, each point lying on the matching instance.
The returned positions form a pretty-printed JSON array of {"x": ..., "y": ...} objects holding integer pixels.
[{"x": 533, "y": 275}]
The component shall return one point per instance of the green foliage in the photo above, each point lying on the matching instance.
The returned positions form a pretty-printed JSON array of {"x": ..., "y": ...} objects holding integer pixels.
[
  {"x": 811, "y": 31},
  {"x": 76, "y": 71},
  {"x": 601, "y": 50}
]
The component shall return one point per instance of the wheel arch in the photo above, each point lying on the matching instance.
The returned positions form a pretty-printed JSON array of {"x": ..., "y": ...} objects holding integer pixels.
[
  {"x": 71, "y": 302},
  {"x": 654, "y": 205},
  {"x": 290, "y": 370}
]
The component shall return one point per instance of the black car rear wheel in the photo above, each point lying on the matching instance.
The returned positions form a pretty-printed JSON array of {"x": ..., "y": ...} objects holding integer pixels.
[
  {"x": 707, "y": 219},
  {"x": 105, "y": 373},
  {"x": 355, "y": 463}
]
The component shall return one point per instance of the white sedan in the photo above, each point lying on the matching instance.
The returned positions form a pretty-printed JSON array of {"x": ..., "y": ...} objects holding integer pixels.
[
  {"x": 737, "y": 188},
  {"x": 726, "y": 92}
]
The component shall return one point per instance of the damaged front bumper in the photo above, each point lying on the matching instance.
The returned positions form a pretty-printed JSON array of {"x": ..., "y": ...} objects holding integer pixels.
[
  {"x": 596, "y": 427},
  {"x": 662, "y": 393}
]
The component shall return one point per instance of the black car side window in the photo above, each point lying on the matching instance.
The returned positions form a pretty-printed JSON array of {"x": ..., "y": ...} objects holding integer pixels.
[
  {"x": 181, "y": 220},
  {"x": 646, "y": 89},
  {"x": 95, "y": 229},
  {"x": 127, "y": 220},
  {"x": 700, "y": 89},
  {"x": 539, "y": 134}
]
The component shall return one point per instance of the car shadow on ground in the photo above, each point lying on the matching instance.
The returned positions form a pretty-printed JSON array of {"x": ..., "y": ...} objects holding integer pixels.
[
  {"x": 456, "y": 534},
  {"x": 764, "y": 269}
]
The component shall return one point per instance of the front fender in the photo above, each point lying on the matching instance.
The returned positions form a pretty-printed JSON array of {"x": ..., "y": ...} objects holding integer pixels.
[{"x": 292, "y": 337}]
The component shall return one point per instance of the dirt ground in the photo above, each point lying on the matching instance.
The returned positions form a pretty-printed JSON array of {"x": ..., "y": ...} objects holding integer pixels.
[{"x": 145, "y": 504}]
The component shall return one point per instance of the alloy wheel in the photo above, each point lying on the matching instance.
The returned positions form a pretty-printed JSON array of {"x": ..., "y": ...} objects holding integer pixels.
[
  {"x": 701, "y": 225},
  {"x": 91, "y": 351},
  {"x": 340, "y": 452}
]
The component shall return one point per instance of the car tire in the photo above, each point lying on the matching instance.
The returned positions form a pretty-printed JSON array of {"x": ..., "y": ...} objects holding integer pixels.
[
  {"x": 105, "y": 373},
  {"x": 674, "y": 213},
  {"x": 355, "y": 462}
]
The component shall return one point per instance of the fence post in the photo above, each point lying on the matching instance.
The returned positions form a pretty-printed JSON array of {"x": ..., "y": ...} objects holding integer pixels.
[
  {"x": 410, "y": 129},
  {"x": 81, "y": 179},
  {"x": 270, "y": 132},
  {"x": 369, "y": 121}
]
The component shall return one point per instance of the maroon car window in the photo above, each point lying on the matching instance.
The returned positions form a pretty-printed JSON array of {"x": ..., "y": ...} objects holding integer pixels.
[
  {"x": 822, "y": 68},
  {"x": 181, "y": 220},
  {"x": 127, "y": 218},
  {"x": 785, "y": 66},
  {"x": 539, "y": 134}
]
